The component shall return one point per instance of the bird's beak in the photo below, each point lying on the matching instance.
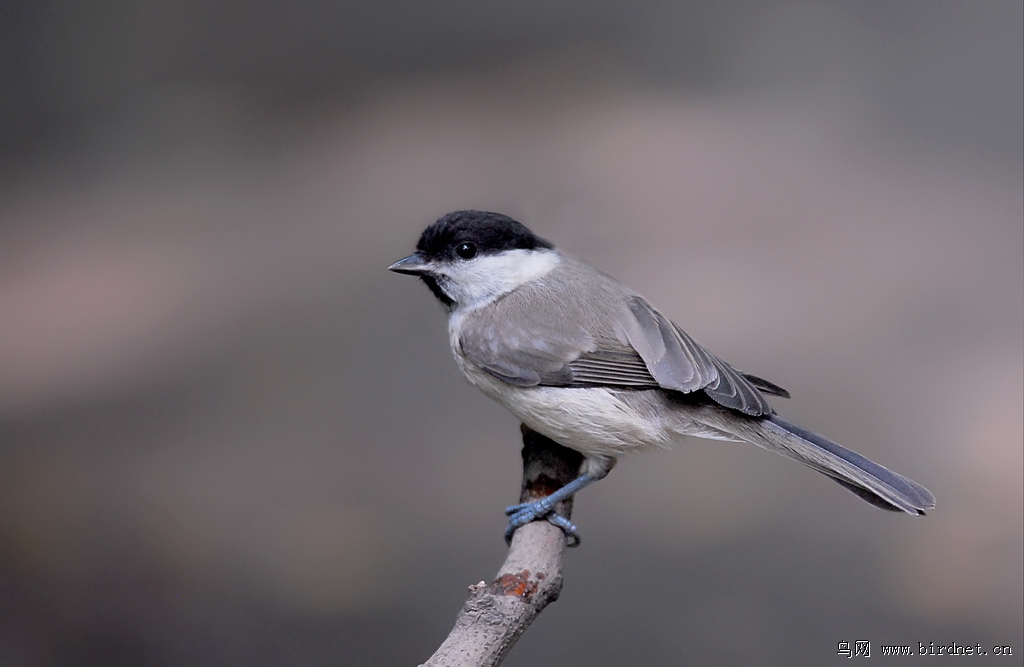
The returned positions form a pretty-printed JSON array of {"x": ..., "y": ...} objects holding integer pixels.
[{"x": 413, "y": 265}]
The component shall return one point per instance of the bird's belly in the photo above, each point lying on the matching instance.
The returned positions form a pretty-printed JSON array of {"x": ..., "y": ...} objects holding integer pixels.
[{"x": 593, "y": 420}]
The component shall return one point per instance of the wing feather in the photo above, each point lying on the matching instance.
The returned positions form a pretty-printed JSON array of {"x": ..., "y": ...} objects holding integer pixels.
[
  {"x": 645, "y": 351},
  {"x": 678, "y": 362},
  {"x": 618, "y": 368}
]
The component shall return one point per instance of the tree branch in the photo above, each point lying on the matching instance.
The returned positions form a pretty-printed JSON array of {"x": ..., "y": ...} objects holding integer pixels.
[{"x": 497, "y": 614}]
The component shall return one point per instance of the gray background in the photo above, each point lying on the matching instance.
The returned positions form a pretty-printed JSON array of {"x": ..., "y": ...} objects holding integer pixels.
[{"x": 229, "y": 436}]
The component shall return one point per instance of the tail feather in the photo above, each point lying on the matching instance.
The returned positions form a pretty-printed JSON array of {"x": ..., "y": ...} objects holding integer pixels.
[{"x": 874, "y": 483}]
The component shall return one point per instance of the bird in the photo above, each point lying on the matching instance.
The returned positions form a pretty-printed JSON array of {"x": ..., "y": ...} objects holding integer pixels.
[{"x": 586, "y": 361}]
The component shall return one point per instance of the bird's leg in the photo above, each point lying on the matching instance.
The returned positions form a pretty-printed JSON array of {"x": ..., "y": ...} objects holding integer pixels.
[
  {"x": 545, "y": 465},
  {"x": 524, "y": 513}
]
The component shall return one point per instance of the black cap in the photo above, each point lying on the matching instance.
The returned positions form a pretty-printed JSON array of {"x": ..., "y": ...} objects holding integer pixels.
[{"x": 491, "y": 233}]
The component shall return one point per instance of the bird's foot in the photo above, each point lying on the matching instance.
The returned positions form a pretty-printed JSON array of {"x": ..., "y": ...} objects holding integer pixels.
[{"x": 524, "y": 513}]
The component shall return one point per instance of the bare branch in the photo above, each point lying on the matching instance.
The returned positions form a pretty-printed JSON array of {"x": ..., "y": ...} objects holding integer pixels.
[{"x": 497, "y": 614}]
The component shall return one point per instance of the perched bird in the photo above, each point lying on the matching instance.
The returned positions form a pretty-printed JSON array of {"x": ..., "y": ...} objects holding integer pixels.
[{"x": 588, "y": 362}]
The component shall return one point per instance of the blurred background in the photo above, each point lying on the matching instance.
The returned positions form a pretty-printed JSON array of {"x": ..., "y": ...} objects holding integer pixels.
[{"x": 228, "y": 435}]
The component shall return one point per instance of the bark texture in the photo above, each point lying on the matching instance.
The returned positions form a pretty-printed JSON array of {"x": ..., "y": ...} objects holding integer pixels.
[{"x": 497, "y": 614}]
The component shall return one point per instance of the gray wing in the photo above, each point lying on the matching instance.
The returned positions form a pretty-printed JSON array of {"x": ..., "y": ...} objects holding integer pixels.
[
  {"x": 677, "y": 362},
  {"x": 526, "y": 359},
  {"x": 764, "y": 386},
  {"x": 646, "y": 352}
]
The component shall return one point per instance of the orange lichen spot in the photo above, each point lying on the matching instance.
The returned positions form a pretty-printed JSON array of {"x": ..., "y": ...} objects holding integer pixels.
[
  {"x": 517, "y": 584},
  {"x": 542, "y": 486}
]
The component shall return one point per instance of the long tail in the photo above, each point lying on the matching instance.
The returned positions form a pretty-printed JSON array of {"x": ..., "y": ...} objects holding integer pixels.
[{"x": 874, "y": 483}]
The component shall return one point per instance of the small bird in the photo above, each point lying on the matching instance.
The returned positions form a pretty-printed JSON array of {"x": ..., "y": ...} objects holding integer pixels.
[{"x": 584, "y": 360}]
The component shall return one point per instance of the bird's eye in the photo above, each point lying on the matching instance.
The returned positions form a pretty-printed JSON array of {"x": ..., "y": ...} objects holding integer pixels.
[{"x": 466, "y": 250}]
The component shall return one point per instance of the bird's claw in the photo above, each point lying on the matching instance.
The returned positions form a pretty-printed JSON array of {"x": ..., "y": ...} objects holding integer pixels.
[{"x": 524, "y": 513}]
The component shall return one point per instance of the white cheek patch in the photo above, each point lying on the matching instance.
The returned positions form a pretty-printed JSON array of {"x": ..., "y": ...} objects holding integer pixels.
[{"x": 479, "y": 281}]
